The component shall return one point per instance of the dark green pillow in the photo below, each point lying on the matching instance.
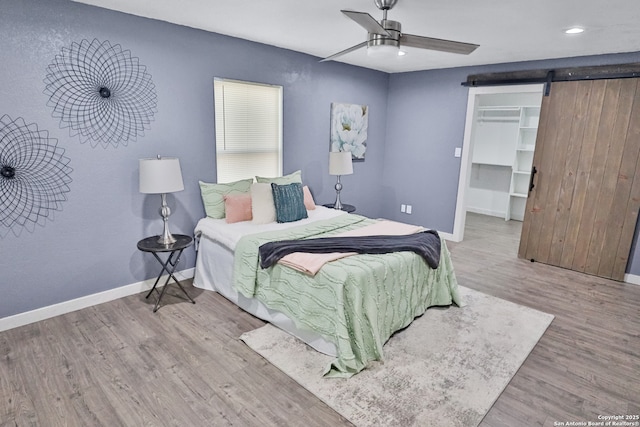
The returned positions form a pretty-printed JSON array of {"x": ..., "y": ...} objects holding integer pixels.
[{"x": 289, "y": 202}]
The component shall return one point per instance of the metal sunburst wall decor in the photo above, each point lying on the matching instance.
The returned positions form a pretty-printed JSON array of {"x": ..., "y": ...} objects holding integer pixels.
[
  {"x": 101, "y": 93},
  {"x": 34, "y": 176}
]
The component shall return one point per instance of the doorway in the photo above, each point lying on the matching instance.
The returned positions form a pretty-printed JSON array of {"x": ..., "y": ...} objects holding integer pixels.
[{"x": 498, "y": 147}]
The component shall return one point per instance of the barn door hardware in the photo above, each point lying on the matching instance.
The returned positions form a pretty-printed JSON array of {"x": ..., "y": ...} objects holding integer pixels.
[{"x": 531, "y": 184}]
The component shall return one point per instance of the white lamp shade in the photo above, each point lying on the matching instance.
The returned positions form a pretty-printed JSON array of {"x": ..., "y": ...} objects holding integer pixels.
[
  {"x": 340, "y": 163},
  {"x": 161, "y": 175}
]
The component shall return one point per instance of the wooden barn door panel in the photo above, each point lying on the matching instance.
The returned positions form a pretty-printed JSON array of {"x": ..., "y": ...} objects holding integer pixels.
[
  {"x": 582, "y": 211},
  {"x": 581, "y": 205},
  {"x": 627, "y": 195}
]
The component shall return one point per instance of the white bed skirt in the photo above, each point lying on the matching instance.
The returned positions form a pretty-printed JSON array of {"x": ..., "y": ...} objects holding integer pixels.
[{"x": 214, "y": 272}]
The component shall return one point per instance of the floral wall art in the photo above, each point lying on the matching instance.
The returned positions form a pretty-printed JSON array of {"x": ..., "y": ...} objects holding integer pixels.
[
  {"x": 349, "y": 124},
  {"x": 34, "y": 176},
  {"x": 101, "y": 93}
]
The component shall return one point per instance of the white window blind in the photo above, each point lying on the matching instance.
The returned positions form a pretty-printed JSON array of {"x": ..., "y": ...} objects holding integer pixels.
[{"x": 248, "y": 130}]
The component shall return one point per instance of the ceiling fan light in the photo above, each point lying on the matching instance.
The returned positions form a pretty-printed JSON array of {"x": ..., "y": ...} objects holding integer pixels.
[
  {"x": 574, "y": 30},
  {"x": 383, "y": 50}
]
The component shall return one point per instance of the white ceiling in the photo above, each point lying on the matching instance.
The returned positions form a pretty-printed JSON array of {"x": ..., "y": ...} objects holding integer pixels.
[{"x": 506, "y": 30}]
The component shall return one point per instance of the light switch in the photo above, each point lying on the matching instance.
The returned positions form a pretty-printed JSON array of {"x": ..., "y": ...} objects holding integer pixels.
[
  {"x": 409, "y": 209},
  {"x": 458, "y": 152}
]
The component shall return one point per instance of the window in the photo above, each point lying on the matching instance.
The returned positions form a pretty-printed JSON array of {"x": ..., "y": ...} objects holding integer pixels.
[{"x": 248, "y": 130}]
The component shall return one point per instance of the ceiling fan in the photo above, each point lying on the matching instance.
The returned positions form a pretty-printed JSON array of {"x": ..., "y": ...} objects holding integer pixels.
[{"x": 387, "y": 35}]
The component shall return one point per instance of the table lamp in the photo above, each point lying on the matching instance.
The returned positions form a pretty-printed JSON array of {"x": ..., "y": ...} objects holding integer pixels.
[
  {"x": 339, "y": 164},
  {"x": 161, "y": 175}
]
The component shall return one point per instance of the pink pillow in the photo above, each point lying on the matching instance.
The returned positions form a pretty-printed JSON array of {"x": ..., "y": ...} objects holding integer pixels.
[
  {"x": 308, "y": 199},
  {"x": 237, "y": 207}
]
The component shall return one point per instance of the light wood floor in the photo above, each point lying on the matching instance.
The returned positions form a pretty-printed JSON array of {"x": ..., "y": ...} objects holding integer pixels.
[{"x": 120, "y": 364}]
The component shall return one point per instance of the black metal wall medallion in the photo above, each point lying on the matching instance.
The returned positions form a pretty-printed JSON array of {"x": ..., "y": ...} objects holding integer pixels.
[
  {"x": 101, "y": 93},
  {"x": 34, "y": 176}
]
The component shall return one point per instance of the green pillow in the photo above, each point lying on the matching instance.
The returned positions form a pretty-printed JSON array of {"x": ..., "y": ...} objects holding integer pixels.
[
  {"x": 282, "y": 180},
  {"x": 289, "y": 202},
  {"x": 213, "y": 195}
]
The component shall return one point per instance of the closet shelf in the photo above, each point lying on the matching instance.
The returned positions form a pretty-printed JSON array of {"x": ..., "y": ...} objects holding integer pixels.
[
  {"x": 499, "y": 114},
  {"x": 498, "y": 108},
  {"x": 504, "y": 165},
  {"x": 518, "y": 195},
  {"x": 498, "y": 119}
]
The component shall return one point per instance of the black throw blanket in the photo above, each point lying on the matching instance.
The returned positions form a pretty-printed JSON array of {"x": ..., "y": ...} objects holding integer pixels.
[{"x": 426, "y": 244}]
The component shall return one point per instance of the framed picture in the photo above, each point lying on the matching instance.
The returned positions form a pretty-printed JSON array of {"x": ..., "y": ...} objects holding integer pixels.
[{"x": 349, "y": 124}]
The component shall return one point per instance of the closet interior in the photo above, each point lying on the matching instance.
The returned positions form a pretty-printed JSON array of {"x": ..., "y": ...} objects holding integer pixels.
[{"x": 503, "y": 142}]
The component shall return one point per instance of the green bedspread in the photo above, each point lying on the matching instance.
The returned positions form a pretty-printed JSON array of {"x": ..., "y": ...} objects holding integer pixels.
[{"x": 356, "y": 302}]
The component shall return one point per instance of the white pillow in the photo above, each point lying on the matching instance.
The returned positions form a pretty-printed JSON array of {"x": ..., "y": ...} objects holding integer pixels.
[{"x": 263, "y": 209}]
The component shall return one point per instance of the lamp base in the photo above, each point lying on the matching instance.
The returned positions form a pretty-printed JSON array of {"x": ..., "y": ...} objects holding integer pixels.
[
  {"x": 338, "y": 204},
  {"x": 166, "y": 238}
]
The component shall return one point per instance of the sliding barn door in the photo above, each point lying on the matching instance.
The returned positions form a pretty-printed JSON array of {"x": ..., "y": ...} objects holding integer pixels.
[{"x": 582, "y": 210}]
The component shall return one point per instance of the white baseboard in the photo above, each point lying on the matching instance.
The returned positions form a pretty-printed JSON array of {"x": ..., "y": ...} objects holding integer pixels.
[
  {"x": 447, "y": 236},
  {"x": 486, "y": 212},
  {"x": 632, "y": 278},
  {"x": 43, "y": 313}
]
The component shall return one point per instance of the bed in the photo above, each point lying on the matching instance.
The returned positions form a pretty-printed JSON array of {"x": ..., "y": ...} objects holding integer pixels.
[{"x": 348, "y": 309}]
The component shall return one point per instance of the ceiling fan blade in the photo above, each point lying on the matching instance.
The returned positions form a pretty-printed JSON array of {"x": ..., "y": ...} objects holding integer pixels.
[
  {"x": 437, "y": 44},
  {"x": 367, "y": 22},
  {"x": 344, "y": 52}
]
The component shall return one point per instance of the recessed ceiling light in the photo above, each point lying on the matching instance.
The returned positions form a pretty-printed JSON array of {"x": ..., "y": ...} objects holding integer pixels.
[{"x": 574, "y": 30}]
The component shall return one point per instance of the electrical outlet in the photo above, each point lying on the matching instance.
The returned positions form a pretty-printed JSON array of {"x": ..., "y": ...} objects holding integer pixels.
[
  {"x": 403, "y": 208},
  {"x": 409, "y": 209}
]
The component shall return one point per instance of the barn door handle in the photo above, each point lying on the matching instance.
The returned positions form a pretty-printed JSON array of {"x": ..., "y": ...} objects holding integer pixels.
[{"x": 531, "y": 184}]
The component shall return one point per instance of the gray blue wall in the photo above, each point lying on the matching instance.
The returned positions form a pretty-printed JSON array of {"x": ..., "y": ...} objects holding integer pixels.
[
  {"x": 416, "y": 120},
  {"x": 90, "y": 246}
]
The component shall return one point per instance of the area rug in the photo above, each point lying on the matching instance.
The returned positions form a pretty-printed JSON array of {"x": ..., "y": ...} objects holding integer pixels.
[{"x": 446, "y": 369}]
